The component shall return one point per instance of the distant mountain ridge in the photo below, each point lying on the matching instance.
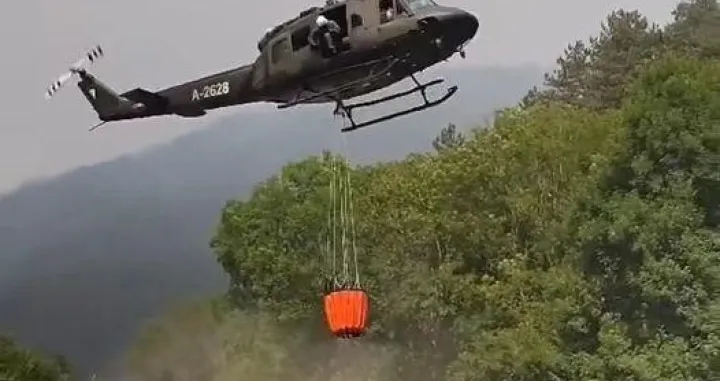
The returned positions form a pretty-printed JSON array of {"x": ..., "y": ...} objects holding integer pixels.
[{"x": 86, "y": 256}]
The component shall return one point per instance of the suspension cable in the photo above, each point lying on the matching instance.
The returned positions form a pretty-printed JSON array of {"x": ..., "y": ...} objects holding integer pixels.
[
  {"x": 331, "y": 239},
  {"x": 339, "y": 216},
  {"x": 333, "y": 220},
  {"x": 351, "y": 211},
  {"x": 343, "y": 228}
]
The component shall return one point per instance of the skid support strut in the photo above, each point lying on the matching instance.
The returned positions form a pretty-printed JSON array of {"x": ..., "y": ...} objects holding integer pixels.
[{"x": 346, "y": 110}]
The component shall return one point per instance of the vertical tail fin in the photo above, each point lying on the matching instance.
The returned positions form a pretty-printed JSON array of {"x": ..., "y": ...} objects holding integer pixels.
[{"x": 103, "y": 99}]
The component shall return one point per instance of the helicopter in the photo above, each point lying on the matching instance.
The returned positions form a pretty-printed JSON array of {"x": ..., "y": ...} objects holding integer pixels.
[{"x": 379, "y": 43}]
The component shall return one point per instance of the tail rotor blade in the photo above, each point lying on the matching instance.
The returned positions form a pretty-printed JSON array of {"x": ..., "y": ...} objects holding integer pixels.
[
  {"x": 57, "y": 84},
  {"x": 89, "y": 58},
  {"x": 92, "y": 55}
]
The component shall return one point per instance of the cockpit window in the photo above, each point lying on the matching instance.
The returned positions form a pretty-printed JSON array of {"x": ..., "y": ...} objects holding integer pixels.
[{"x": 416, "y": 5}]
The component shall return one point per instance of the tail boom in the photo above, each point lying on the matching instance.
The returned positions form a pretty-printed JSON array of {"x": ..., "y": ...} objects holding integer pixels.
[{"x": 190, "y": 99}]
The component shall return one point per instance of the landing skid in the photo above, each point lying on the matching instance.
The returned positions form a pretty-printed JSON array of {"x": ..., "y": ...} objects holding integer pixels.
[{"x": 346, "y": 110}]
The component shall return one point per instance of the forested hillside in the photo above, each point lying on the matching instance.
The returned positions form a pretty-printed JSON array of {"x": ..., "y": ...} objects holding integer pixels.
[{"x": 576, "y": 238}]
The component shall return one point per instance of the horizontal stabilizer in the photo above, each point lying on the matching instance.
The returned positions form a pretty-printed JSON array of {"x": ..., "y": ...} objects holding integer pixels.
[{"x": 148, "y": 98}]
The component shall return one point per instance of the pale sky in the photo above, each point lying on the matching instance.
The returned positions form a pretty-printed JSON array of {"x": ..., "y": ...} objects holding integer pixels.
[{"x": 157, "y": 43}]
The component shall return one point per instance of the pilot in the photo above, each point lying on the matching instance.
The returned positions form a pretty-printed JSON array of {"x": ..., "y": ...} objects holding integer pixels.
[
  {"x": 386, "y": 11},
  {"x": 325, "y": 36},
  {"x": 388, "y": 15}
]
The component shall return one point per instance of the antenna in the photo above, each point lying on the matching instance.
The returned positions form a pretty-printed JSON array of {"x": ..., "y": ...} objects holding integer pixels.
[{"x": 77, "y": 68}]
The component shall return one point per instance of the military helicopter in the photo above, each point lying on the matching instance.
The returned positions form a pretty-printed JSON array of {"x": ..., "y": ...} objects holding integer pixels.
[{"x": 379, "y": 43}]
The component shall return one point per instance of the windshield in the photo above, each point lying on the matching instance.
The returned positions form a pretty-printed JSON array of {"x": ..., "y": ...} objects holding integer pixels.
[{"x": 416, "y": 5}]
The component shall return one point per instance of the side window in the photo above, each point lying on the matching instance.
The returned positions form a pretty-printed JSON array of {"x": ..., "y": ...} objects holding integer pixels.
[
  {"x": 355, "y": 20},
  {"x": 280, "y": 50},
  {"x": 300, "y": 38}
]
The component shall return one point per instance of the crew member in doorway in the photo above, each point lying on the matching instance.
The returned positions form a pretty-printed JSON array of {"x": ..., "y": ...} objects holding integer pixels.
[{"x": 326, "y": 36}]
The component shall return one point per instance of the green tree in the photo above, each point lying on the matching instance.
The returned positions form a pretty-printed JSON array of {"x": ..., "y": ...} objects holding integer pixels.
[
  {"x": 695, "y": 30},
  {"x": 646, "y": 241},
  {"x": 448, "y": 138},
  {"x": 18, "y": 364},
  {"x": 595, "y": 74}
]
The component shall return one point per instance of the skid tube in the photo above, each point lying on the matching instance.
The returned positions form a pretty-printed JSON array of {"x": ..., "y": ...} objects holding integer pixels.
[{"x": 346, "y": 110}]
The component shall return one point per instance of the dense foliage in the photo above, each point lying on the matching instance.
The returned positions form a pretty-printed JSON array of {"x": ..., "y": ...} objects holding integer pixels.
[
  {"x": 577, "y": 238},
  {"x": 18, "y": 364}
]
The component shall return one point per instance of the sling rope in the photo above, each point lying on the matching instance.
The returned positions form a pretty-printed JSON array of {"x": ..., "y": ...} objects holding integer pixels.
[
  {"x": 345, "y": 303},
  {"x": 331, "y": 235},
  {"x": 341, "y": 221},
  {"x": 351, "y": 211}
]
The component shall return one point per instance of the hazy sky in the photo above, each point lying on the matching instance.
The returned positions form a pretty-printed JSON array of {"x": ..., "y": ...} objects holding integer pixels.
[{"x": 157, "y": 43}]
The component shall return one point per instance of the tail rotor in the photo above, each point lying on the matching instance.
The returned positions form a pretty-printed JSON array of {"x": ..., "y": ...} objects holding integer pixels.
[{"x": 77, "y": 68}]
